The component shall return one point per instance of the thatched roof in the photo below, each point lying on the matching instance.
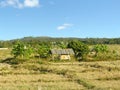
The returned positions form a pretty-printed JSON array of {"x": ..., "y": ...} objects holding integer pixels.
[{"x": 62, "y": 51}]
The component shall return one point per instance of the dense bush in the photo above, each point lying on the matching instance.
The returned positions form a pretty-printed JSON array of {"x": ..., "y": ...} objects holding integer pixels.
[
  {"x": 22, "y": 51},
  {"x": 80, "y": 49},
  {"x": 43, "y": 51},
  {"x": 100, "y": 48}
]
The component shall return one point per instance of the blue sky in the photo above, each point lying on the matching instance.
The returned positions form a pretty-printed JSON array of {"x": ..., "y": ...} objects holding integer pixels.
[{"x": 59, "y": 18}]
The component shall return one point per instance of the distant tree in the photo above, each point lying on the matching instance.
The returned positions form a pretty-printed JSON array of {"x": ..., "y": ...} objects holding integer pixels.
[
  {"x": 28, "y": 51},
  {"x": 59, "y": 44},
  {"x": 1, "y": 45},
  {"x": 21, "y": 50},
  {"x": 62, "y": 45},
  {"x": 100, "y": 48},
  {"x": 43, "y": 51},
  {"x": 80, "y": 49}
]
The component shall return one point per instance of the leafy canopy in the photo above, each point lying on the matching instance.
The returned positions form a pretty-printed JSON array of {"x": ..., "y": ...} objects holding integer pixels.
[
  {"x": 43, "y": 51},
  {"x": 21, "y": 50},
  {"x": 100, "y": 48},
  {"x": 80, "y": 49}
]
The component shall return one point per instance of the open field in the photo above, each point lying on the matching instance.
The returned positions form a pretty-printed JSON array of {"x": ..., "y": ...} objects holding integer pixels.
[
  {"x": 103, "y": 75},
  {"x": 37, "y": 75}
]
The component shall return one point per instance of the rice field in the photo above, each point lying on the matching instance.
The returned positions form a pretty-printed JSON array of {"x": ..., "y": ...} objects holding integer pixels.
[
  {"x": 102, "y": 75},
  {"x": 33, "y": 75}
]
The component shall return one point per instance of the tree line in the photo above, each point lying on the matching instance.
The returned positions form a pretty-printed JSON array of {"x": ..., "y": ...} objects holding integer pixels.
[
  {"x": 43, "y": 50},
  {"x": 41, "y": 46},
  {"x": 49, "y": 40}
]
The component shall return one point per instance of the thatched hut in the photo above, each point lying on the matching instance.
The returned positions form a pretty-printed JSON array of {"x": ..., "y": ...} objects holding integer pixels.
[{"x": 62, "y": 54}]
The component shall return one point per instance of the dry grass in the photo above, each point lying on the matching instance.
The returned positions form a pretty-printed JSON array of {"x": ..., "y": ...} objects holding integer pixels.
[
  {"x": 103, "y": 75},
  {"x": 45, "y": 81},
  {"x": 32, "y": 75}
]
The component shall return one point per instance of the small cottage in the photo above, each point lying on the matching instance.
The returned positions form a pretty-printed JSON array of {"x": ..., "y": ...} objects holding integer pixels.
[{"x": 62, "y": 54}]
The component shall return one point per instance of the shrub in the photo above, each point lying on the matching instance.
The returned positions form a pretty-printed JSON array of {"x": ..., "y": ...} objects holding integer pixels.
[
  {"x": 43, "y": 51},
  {"x": 81, "y": 50},
  {"x": 100, "y": 48},
  {"x": 22, "y": 51}
]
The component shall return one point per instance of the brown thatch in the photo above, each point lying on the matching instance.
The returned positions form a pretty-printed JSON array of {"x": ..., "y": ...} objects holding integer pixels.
[{"x": 62, "y": 51}]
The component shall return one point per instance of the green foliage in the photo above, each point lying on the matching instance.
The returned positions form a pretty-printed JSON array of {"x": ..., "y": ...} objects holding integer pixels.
[
  {"x": 20, "y": 50},
  {"x": 28, "y": 51},
  {"x": 59, "y": 44},
  {"x": 80, "y": 49},
  {"x": 100, "y": 48},
  {"x": 33, "y": 41},
  {"x": 43, "y": 51}
]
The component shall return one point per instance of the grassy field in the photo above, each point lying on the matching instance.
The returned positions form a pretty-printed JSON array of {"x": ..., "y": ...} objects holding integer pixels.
[{"x": 35, "y": 74}]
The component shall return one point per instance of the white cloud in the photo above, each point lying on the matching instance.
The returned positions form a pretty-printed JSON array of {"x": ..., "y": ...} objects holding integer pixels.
[
  {"x": 31, "y": 3},
  {"x": 18, "y": 4},
  {"x": 13, "y": 3},
  {"x": 64, "y": 26}
]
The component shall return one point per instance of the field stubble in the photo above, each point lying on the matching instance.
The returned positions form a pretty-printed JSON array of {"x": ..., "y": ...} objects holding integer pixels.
[{"x": 33, "y": 75}]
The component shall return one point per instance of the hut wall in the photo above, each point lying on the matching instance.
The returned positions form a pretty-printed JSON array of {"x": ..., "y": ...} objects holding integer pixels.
[{"x": 64, "y": 57}]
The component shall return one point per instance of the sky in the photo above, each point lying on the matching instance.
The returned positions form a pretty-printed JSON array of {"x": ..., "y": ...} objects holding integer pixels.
[{"x": 59, "y": 18}]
